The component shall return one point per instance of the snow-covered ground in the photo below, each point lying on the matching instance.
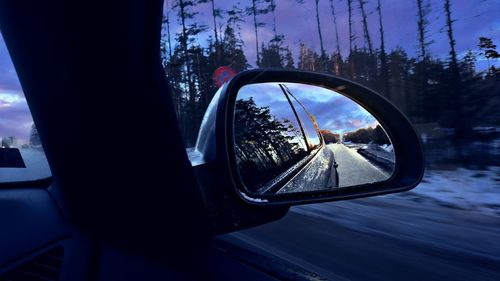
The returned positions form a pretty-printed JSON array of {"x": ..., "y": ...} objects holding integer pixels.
[{"x": 475, "y": 190}]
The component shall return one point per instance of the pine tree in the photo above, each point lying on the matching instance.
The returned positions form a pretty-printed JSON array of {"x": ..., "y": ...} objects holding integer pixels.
[
  {"x": 384, "y": 71},
  {"x": 309, "y": 60},
  {"x": 337, "y": 57},
  {"x": 323, "y": 56},
  {"x": 235, "y": 18},
  {"x": 452, "y": 42},
  {"x": 216, "y": 13},
  {"x": 34, "y": 136},
  {"x": 185, "y": 38},
  {"x": 489, "y": 52},
  {"x": 365, "y": 26},
  {"x": 289, "y": 62},
  {"x": 422, "y": 23},
  {"x": 322, "y": 47},
  {"x": 272, "y": 8},
  {"x": 233, "y": 51},
  {"x": 254, "y": 10},
  {"x": 166, "y": 24},
  {"x": 425, "y": 96},
  {"x": 455, "y": 90},
  {"x": 352, "y": 37}
]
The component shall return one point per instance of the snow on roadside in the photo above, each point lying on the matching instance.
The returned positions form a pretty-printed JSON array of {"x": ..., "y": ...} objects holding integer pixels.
[{"x": 477, "y": 190}]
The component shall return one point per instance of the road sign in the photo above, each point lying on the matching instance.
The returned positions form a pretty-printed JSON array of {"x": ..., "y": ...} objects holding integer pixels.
[{"x": 223, "y": 74}]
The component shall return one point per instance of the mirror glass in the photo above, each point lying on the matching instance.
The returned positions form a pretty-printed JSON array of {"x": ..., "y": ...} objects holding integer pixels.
[{"x": 291, "y": 137}]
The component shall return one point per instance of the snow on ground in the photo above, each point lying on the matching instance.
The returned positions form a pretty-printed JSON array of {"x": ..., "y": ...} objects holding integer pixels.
[
  {"x": 461, "y": 189},
  {"x": 374, "y": 151}
]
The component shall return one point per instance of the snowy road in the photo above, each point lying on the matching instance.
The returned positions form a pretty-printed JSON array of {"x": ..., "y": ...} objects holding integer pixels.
[
  {"x": 445, "y": 229},
  {"x": 353, "y": 168}
]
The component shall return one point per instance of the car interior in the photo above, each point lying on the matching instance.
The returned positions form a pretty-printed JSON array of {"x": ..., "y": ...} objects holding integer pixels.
[{"x": 143, "y": 208}]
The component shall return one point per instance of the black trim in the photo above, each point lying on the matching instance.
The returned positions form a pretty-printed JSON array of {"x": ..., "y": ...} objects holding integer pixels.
[{"x": 41, "y": 184}]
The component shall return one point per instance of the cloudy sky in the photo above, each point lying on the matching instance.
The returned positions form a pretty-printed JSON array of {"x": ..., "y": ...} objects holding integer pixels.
[
  {"x": 332, "y": 110},
  {"x": 15, "y": 118}
]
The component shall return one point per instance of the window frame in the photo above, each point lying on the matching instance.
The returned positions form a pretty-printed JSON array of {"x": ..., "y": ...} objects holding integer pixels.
[
  {"x": 31, "y": 182},
  {"x": 318, "y": 134}
]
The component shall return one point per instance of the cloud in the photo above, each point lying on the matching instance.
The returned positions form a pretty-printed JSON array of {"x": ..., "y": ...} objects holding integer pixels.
[
  {"x": 331, "y": 110},
  {"x": 15, "y": 116}
]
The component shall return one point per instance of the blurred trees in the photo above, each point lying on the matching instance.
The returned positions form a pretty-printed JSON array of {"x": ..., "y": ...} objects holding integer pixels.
[
  {"x": 449, "y": 92},
  {"x": 34, "y": 136},
  {"x": 8, "y": 142},
  {"x": 329, "y": 136},
  {"x": 367, "y": 135}
]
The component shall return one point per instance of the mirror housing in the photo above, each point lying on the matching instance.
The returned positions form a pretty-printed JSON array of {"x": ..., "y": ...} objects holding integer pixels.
[{"x": 215, "y": 144}]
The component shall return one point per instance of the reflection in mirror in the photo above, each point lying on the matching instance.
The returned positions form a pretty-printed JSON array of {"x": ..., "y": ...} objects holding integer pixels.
[{"x": 291, "y": 137}]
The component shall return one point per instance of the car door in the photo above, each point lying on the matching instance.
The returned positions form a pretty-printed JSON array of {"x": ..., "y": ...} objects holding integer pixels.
[{"x": 320, "y": 173}]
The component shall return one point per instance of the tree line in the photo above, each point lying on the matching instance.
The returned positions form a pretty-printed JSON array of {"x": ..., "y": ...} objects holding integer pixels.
[
  {"x": 367, "y": 135},
  {"x": 449, "y": 92}
]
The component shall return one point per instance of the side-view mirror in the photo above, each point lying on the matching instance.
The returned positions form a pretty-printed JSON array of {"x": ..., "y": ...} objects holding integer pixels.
[{"x": 280, "y": 137}]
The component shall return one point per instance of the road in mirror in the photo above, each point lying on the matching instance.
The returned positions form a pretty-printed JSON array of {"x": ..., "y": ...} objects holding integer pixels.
[{"x": 291, "y": 137}]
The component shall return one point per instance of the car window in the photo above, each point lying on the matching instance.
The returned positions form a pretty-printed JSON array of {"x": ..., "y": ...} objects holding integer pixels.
[
  {"x": 437, "y": 61},
  {"x": 21, "y": 153},
  {"x": 268, "y": 139},
  {"x": 307, "y": 120}
]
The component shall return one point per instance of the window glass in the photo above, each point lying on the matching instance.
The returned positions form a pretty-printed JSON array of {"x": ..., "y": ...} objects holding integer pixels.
[
  {"x": 21, "y": 154},
  {"x": 268, "y": 138},
  {"x": 308, "y": 122}
]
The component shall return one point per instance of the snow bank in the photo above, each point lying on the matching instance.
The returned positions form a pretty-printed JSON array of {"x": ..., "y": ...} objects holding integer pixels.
[{"x": 462, "y": 189}]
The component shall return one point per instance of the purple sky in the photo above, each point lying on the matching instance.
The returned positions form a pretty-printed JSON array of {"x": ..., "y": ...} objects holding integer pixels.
[
  {"x": 474, "y": 18},
  {"x": 15, "y": 117}
]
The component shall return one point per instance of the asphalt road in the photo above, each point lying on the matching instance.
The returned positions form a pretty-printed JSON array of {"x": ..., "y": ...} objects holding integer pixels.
[
  {"x": 353, "y": 168},
  {"x": 384, "y": 238}
]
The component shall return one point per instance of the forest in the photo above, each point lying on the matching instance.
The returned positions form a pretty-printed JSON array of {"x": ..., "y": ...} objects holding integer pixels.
[
  {"x": 446, "y": 99},
  {"x": 264, "y": 145}
]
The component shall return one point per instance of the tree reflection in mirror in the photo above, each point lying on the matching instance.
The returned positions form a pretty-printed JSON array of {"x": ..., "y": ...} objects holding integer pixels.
[{"x": 291, "y": 137}]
